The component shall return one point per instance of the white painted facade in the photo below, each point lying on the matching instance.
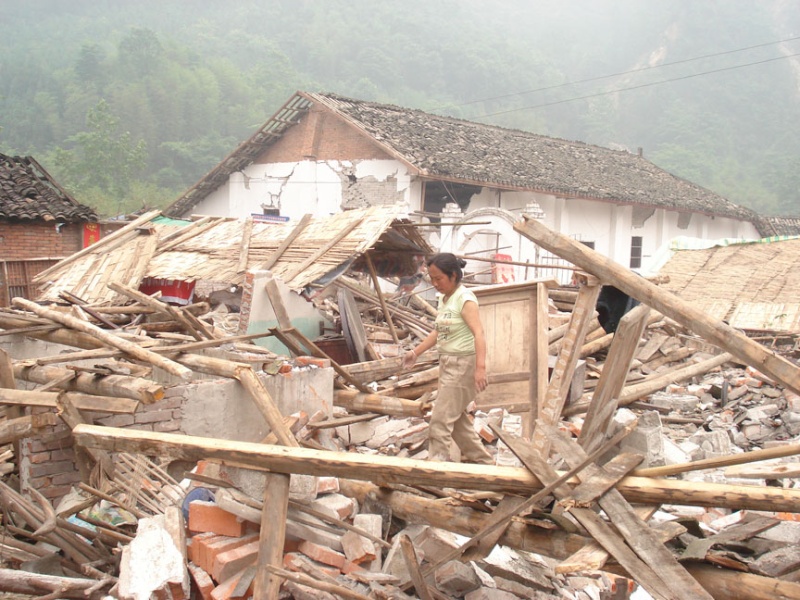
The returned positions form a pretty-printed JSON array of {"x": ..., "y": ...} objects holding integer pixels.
[{"x": 328, "y": 187}]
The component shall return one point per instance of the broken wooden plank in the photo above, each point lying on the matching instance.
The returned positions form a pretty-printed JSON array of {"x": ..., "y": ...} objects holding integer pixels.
[
  {"x": 668, "y": 304},
  {"x": 110, "y": 339},
  {"x": 412, "y": 564},
  {"x": 604, "y": 400},
  {"x": 644, "y": 574},
  {"x": 638, "y": 535},
  {"x": 553, "y": 403}
]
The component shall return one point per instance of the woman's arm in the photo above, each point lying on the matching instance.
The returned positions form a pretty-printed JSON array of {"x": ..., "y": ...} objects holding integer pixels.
[
  {"x": 469, "y": 312},
  {"x": 411, "y": 356}
]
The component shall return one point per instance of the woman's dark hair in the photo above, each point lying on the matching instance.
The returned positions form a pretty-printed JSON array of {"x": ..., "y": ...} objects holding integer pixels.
[{"x": 448, "y": 263}]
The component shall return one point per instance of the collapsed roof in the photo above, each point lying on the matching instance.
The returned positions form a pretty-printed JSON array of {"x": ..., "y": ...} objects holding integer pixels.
[{"x": 221, "y": 249}]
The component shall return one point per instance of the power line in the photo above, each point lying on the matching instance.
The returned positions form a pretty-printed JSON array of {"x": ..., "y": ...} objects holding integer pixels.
[
  {"x": 634, "y": 87},
  {"x": 631, "y": 71}
]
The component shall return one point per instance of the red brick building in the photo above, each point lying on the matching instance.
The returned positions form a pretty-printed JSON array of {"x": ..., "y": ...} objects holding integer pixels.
[{"x": 40, "y": 224}]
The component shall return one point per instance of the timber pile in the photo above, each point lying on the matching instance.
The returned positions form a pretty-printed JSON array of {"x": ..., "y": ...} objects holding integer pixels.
[{"x": 630, "y": 483}]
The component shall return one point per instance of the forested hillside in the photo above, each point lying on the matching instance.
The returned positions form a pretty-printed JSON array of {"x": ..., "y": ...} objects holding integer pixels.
[{"x": 129, "y": 103}]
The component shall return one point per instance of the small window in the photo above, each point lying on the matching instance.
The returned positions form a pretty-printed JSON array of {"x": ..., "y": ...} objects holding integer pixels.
[
  {"x": 588, "y": 244},
  {"x": 636, "y": 252}
]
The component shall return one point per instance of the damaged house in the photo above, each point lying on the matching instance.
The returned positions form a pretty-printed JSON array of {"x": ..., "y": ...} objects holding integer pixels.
[{"x": 322, "y": 154}]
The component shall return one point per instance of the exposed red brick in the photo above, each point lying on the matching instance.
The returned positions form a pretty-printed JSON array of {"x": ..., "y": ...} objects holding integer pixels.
[
  {"x": 207, "y": 516},
  {"x": 322, "y": 554},
  {"x": 227, "y": 564},
  {"x": 202, "y": 581}
]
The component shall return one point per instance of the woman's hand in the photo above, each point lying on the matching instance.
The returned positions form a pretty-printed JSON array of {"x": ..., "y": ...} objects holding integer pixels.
[
  {"x": 480, "y": 379},
  {"x": 409, "y": 358}
]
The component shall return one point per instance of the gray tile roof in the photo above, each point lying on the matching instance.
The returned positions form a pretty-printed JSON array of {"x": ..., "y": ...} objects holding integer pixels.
[
  {"x": 439, "y": 147},
  {"x": 771, "y": 226},
  {"x": 28, "y": 193}
]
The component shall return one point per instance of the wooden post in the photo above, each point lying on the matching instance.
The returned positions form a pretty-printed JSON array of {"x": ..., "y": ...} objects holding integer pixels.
[
  {"x": 550, "y": 410},
  {"x": 668, "y": 304},
  {"x": 381, "y": 299},
  {"x": 538, "y": 357},
  {"x": 272, "y": 536}
]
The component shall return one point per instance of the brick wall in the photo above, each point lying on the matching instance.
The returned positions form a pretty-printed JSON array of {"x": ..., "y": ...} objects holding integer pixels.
[
  {"x": 321, "y": 136},
  {"x": 47, "y": 461},
  {"x": 20, "y": 241}
]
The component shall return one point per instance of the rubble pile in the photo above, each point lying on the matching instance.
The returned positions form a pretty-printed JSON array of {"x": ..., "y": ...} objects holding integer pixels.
[{"x": 655, "y": 464}]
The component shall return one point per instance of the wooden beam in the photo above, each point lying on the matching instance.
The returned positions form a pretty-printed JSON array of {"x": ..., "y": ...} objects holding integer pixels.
[
  {"x": 721, "y": 461},
  {"x": 272, "y": 537},
  {"x": 390, "y": 469},
  {"x": 121, "y": 386},
  {"x": 632, "y": 393},
  {"x": 355, "y": 401},
  {"x": 109, "y": 404},
  {"x": 668, "y": 304},
  {"x": 538, "y": 357},
  {"x": 244, "y": 247}
]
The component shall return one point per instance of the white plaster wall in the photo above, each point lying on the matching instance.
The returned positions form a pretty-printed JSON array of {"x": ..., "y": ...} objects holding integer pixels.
[{"x": 301, "y": 188}]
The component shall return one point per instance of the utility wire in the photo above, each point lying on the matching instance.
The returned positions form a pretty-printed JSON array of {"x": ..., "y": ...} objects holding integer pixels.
[
  {"x": 634, "y": 87},
  {"x": 631, "y": 71}
]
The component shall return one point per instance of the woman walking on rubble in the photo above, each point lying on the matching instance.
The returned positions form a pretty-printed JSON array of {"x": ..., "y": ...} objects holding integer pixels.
[{"x": 458, "y": 337}]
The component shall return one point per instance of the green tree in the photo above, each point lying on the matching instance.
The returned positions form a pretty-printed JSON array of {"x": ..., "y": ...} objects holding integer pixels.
[{"x": 103, "y": 159}]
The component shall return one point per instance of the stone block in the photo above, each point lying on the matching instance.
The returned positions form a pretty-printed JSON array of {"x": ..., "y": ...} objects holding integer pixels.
[
  {"x": 372, "y": 524},
  {"x": 357, "y": 548},
  {"x": 336, "y": 505},
  {"x": 302, "y": 488},
  {"x": 456, "y": 578},
  {"x": 225, "y": 590},
  {"x": 151, "y": 563},
  {"x": 215, "y": 547},
  {"x": 489, "y": 593}
]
